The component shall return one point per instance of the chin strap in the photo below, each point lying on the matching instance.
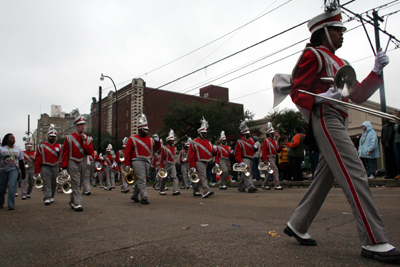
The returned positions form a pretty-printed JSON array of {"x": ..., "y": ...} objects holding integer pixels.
[{"x": 329, "y": 38}]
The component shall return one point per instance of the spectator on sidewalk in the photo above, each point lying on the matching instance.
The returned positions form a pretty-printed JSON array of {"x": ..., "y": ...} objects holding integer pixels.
[
  {"x": 368, "y": 149},
  {"x": 387, "y": 138},
  {"x": 296, "y": 154}
]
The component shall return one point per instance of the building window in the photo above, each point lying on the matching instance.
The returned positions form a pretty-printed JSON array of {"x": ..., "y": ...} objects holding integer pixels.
[
  {"x": 127, "y": 98},
  {"x": 205, "y": 95},
  {"x": 126, "y": 126},
  {"x": 127, "y": 113}
]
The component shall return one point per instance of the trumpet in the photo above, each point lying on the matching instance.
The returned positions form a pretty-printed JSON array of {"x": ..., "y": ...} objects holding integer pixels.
[
  {"x": 217, "y": 170},
  {"x": 66, "y": 183},
  {"x": 38, "y": 180},
  {"x": 265, "y": 167},
  {"x": 194, "y": 176},
  {"x": 130, "y": 176},
  {"x": 162, "y": 173},
  {"x": 245, "y": 169}
]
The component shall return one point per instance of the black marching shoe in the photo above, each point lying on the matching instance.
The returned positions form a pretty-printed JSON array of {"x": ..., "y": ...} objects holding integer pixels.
[
  {"x": 302, "y": 241},
  {"x": 241, "y": 190},
  {"x": 196, "y": 194},
  {"x": 135, "y": 199},
  {"x": 253, "y": 190},
  {"x": 209, "y": 193},
  {"x": 144, "y": 201},
  {"x": 391, "y": 256}
]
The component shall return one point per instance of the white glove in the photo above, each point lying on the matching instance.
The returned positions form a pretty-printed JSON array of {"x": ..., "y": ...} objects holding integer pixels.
[
  {"x": 215, "y": 148},
  {"x": 255, "y": 147},
  {"x": 193, "y": 169},
  {"x": 101, "y": 158},
  {"x": 217, "y": 165},
  {"x": 156, "y": 138},
  {"x": 242, "y": 164},
  {"x": 331, "y": 93},
  {"x": 127, "y": 168},
  {"x": 381, "y": 60},
  {"x": 64, "y": 172},
  {"x": 84, "y": 137}
]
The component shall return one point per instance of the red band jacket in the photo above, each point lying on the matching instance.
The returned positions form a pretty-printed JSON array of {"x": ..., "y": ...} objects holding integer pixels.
[
  {"x": 200, "y": 150},
  {"x": 75, "y": 149},
  {"x": 47, "y": 154},
  {"x": 140, "y": 148}
]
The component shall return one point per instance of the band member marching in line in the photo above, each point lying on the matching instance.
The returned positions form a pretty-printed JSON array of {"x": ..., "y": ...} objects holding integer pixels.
[
  {"x": 183, "y": 159},
  {"x": 269, "y": 148},
  {"x": 47, "y": 163},
  {"x": 139, "y": 150},
  {"x": 95, "y": 159},
  {"x": 119, "y": 159},
  {"x": 244, "y": 153},
  {"x": 222, "y": 160},
  {"x": 29, "y": 159},
  {"x": 89, "y": 173},
  {"x": 328, "y": 123},
  {"x": 101, "y": 172},
  {"x": 74, "y": 155},
  {"x": 156, "y": 164},
  {"x": 200, "y": 154},
  {"x": 106, "y": 161},
  {"x": 169, "y": 164}
]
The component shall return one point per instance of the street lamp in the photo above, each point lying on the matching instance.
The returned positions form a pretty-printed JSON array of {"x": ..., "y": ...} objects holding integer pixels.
[{"x": 116, "y": 107}]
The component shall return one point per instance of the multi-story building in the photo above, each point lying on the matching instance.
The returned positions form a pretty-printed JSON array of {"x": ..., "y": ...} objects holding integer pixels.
[{"x": 135, "y": 99}]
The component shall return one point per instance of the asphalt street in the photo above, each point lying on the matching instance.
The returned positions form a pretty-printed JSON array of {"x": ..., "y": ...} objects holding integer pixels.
[{"x": 228, "y": 229}]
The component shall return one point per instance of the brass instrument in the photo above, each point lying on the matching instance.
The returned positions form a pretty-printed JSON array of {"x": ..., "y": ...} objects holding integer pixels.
[
  {"x": 38, "y": 180},
  {"x": 265, "y": 167},
  {"x": 66, "y": 183},
  {"x": 217, "y": 170},
  {"x": 95, "y": 174},
  {"x": 194, "y": 176},
  {"x": 121, "y": 157},
  {"x": 28, "y": 164},
  {"x": 162, "y": 173},
  {"x": 245, "y": 169},
  {"x": 130, "y": 176},
  {"x": 346, "y": 80}
]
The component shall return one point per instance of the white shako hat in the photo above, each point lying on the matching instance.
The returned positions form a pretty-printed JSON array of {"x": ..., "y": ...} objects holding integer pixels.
[
  {"x": 171, "y": 136},
  {"x": 28, "y": 141},
  {"x": 270, "y": 129},
  {"x": 124, "y": 141},
  {"x": 52, "y": 130},
  {"x": 203, "y": 127},
  {"x": 188, "y": 141},
  {"x": 243, "y": 128},
  {"x": 109, "y": 147},
  {"x": 78, "y": 118},
  {"x": 223, "y": 137},
  {"x": 329, "y": 19},
  {"x": 142, "y": 122}
]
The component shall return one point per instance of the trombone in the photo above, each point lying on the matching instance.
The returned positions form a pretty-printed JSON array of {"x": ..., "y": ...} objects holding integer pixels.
[
  {"x": 345, "y": 79},
  {"x": 245, "y": 169}
]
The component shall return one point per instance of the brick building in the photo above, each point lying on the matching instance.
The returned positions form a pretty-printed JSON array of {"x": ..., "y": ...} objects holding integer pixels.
[{"x": 135, "y": 99}]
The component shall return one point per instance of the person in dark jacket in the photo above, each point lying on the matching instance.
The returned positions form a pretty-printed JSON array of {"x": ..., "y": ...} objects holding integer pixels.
[{"x": 387, "y": 138}]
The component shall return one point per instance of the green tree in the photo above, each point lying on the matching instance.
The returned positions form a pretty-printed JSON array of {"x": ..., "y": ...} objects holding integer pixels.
[
  {"x": 286, "y": 120},
  {"x": 106, "y": 139},
  {"x": 184, "y": 119}
]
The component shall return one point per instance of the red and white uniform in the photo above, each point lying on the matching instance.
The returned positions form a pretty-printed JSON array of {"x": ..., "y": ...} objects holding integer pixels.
[
  {"x": 47, "y": 154},
  {"x": 200, "y": 150},
  {"x": 75, "y": 150},
  {"x": 28, "y": 155},
  {"x": 117, "y": 157},
  {"x": 140, "y": 148},
  {"x": 223, "y": 152},
  {"x": 167, "y": 155},
  {"x": 107, "y": 160},
  {"x": 182, "y": 154},
  {"x": 269, "y": 148},
  {"x": 156, "y": 160},
  {"x": 244, "y": 149}
]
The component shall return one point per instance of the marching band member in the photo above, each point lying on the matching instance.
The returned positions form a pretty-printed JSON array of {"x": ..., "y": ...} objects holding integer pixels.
[
  {"x": 121, "y": 153},
  {"x": 114, "y": 171},
  {"x": 106, "y": 161},
  {"x": 244, "y": 153},
  {"x": 183, "y": 159},
  {"x": 95, "y": 161},
  {"x": 29, "y": 159},
  {"x": 101, "y": 172},
  {"x": 269, "y": 148},
  {"x": 338, "y": 158},
  {"x": 156, "y": 164},
  {"x": 75, "y": 149},
  {"x": 89, "y": 173},
  {"x": 139, "y": 150},
  {"x": 222, "y": 160},
  {"x": 200, "y": 154},
  {"x": 47, "y": 163},
  {"x": 168, "y": 161}
]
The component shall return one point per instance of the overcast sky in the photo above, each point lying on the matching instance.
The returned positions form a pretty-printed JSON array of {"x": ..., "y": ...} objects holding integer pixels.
[{"x": 53, "y": 52}]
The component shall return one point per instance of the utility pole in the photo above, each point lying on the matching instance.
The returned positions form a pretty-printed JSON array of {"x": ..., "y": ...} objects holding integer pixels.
[
  {"x": 99, "y": 126},
  {"x": 378, "y": 19}
]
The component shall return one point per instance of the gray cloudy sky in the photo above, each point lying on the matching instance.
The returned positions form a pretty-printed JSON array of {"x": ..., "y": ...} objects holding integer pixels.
[{"x": 53, "y": 51}]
